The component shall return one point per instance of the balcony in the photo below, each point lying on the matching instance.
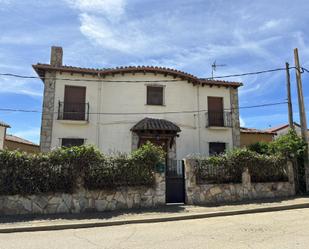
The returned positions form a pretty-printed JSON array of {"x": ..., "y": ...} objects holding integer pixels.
[
  {"x": 73, "y": 111},
  {"x": 218, "y": 119}
]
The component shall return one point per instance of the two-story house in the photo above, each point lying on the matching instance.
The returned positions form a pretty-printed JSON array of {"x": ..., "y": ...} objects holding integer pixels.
[{"x": 118, "y": 109}]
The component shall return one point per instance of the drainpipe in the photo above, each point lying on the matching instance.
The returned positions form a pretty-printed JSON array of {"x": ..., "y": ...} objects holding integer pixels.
[
  {"x": 198, "y": 118},
  {"x": 99, "y": 97}
]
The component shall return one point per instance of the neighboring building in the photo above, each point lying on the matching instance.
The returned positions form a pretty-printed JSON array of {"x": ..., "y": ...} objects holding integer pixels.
[
  {"x": 3, "y": 127},
  {"x": 283, "y": 129},
  {"x": 250, "y": 136},
  {"x": 119, "y": 109},
  {"x": 16, "y": 143}
]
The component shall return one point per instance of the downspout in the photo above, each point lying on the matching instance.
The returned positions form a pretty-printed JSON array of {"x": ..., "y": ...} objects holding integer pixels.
[
  {"x": 198, "y": 119},
  {"x": 99, "y": 97}
]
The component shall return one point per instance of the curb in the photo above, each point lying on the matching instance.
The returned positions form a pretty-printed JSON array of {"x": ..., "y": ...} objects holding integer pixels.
[{"x": 150, "y": 220}]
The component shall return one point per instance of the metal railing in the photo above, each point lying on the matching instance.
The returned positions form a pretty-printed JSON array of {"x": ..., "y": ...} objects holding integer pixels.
[
  {"x": 73, "y": 111},
  {"x": 218, "y": 119}
]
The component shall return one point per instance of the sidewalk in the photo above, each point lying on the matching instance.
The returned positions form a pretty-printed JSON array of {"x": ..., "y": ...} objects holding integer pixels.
[{"x": 167, "y": 213}]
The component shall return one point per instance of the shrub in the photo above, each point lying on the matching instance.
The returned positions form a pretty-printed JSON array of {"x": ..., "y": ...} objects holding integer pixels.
[
  {"x": 259, "y": 147},
  {"x": 59, "y": 170},
  {"x": 228, "y": 167}
]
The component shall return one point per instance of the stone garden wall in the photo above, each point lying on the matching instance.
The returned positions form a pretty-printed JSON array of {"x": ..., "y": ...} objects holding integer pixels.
[
  {"x": 219, "y": 193},
  {"x": 86, "y": 201}
]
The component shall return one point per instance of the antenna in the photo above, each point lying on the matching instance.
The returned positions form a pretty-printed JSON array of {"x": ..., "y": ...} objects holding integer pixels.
[{"x": 214, "y": 67}]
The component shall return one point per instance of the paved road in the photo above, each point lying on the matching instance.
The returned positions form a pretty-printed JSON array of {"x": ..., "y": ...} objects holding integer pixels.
[{"x": 286, "y": 229}]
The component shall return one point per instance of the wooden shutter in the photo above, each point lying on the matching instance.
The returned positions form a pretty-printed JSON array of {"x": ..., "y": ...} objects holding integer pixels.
[
  {"x": 154, "y": 95},
  {"x": 74, "y": 103},
  {"x": 215, "y": 111}
]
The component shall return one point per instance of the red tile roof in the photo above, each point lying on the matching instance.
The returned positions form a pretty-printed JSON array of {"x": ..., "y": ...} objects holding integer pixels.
[
  {"x": 152, "y": 124},
  {"x": 16, "y": 139},
  {"x": 41, "y": 68},
  {"x": 255, "y": 131},
  {"x": 280, "y": 127}
]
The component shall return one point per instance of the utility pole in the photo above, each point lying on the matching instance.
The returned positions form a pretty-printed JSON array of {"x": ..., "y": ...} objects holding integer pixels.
[
  {"x": 288, "y": 86},
  {"x": 302, "y": 114}
]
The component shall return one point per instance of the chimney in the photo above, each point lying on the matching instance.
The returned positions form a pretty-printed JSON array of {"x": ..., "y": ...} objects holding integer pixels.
[{"x": 56, "y": 56}]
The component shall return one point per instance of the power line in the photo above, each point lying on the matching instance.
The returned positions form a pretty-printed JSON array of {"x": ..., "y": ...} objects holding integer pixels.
[
  {"x": 145, "y": 81},
  {"x": 250, "y": 73},
  {"x": 142, "y": 113}
]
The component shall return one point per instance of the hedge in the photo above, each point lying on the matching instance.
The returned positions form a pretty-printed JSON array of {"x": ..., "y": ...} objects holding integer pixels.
[
  {"x": 61, "y": 169},
  {"x": 228, "y": 167}
]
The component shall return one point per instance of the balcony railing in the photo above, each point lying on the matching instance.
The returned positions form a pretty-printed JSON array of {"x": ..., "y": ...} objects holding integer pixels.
[
  {"x": 73, "y": 111},
  {"x": 218, "y": 119}
]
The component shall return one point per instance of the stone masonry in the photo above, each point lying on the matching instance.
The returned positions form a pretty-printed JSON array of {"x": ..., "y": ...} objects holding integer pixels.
[
  {"x": 220, "y": 193},
  {"x": 86, "y": 201},
  {"x": 48, "y": 101},
  {"x": 235, "y": 117}
]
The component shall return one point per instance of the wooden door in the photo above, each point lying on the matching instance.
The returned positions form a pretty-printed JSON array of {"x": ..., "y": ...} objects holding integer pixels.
[
  {"x": 74, "y": 103},
  {"x": 215, "y": 111}
]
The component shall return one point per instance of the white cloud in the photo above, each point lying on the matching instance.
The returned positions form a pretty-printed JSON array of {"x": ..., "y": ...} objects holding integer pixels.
[
  {"x": 242, "y": 122},
  {"x": 21, "y": 86},
  {"x": 108, "y": 8}
]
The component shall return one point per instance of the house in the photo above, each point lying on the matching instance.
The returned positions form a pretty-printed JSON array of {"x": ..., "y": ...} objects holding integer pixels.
[
  {"x": 250, "y": 136},
  {"x": 17, "y": 143},
  {"x": 3, "y": 127},
  {"x": 118, "y": 109},
  {"x": 283, "y": 129}
]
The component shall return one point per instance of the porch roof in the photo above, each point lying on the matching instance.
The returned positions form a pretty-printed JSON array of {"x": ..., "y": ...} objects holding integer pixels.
[{"x": 152, "y": 124}]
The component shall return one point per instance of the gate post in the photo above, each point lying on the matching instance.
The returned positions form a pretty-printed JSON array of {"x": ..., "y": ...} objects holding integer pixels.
[{"x": 190, "y": 180}]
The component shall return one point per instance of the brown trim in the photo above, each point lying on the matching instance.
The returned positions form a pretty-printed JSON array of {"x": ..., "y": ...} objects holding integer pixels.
[{"x": 42, "y": 68}]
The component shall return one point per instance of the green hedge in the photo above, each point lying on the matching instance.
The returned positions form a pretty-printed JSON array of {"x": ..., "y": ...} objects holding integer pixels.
[
  {"x": 228, "y": 167},
  {"x": 59, "y": 170}
]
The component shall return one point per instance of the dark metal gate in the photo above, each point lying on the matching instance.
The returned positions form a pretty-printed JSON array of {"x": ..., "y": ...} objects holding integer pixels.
[{"x": 175, "y": 182}]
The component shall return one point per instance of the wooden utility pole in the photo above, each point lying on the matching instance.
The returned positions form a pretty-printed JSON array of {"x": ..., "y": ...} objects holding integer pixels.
[
  {"x": 288, "y": 86},
  {"x": 302, "y": 113}
]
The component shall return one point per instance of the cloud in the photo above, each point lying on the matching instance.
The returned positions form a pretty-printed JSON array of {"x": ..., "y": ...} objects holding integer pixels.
[
  {"x": 18, "y": 86},
  {"x": 108, "y": 8},
  {"x": 242, "y": 122}
]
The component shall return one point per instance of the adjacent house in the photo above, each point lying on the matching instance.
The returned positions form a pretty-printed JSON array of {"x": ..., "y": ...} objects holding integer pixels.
[
  {"x": 283, "y": 129},
  {"x": 118, "y": 109},
  {"x": 17, "y": 143},
  {"x": 3, "y": 127},
  {"x": 250, "y": 136}
]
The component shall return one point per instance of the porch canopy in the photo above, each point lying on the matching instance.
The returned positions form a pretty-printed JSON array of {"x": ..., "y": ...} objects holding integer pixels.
[{"x": 156, "y": 130}]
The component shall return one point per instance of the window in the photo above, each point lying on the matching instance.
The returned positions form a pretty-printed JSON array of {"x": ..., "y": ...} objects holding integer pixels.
[
  {"x": 69, "y": 142},
  {"x": 216, "y": 148},
  {"x": 154, "y": 95},
  {"x": 215, "y": 111},
  {"x": 74, "y": 106}
]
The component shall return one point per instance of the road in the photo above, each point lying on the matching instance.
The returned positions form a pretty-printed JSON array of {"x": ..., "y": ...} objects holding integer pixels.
[{"x": 285, "y": 229}]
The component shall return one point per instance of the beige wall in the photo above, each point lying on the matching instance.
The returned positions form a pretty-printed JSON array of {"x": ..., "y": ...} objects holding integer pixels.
[
  {"x": 2, "y": 136},
  {"x": 11, "y": 145},
  {"x": 251, "y": 138},
  {"x": 112, "y": 132}
]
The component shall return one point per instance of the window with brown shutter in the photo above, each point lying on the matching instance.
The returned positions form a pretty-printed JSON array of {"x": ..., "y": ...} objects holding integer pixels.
[
  {"x": 74, "y": 103},
  {"x": 154, "y": 95},
  {"x": 215, "y": 111}
]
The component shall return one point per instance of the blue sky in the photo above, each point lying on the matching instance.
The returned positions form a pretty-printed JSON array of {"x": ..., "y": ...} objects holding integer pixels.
[{"x": 182, "y": 34}]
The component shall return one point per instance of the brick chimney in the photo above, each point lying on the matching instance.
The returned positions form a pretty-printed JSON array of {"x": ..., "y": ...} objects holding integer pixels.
[{"x": 56, "y": 56}]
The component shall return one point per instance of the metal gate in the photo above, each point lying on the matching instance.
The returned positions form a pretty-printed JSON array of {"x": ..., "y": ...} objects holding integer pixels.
[{"x": 175, "y": 181}]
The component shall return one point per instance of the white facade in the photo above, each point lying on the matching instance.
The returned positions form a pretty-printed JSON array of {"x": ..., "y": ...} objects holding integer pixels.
[
  {"x": 2, "y": 135},
  {"x": 112, "y": 133}
]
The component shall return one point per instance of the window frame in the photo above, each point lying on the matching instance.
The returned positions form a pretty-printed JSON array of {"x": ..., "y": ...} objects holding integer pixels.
[
  {"x": 162, "y": 87},
  {"x": 69, "y": 138},
  {"x": 216, "y": 143}
]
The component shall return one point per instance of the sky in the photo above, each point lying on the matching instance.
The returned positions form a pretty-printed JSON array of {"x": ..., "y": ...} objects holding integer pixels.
[{"x": 187, "y": 35}]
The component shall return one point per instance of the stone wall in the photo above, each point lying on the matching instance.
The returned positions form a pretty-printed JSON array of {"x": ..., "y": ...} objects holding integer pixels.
[
  {"x": 235, "y": 117},
  {"x": 218, "y": 193},
  {"x": 86, "y": 201}
]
